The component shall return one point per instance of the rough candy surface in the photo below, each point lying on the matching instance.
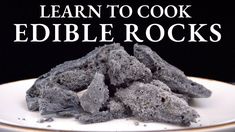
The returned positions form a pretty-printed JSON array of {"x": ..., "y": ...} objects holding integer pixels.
[
  {"x": 94, "y": 118},
  {"x": 150, "y": 103},
  {"x": 118, "y": 109},
  {"x": 56, "y": 100},
  {"x": 124, "y": 69},
  {"x": 74, "y": 80},
  {"x": 113, "y": 110},
  {"x": 73, "y": 75},
  {"x": 32, "y": 103},
  {"x": 108, "y": 83},
  {"x": 96, "y": 95},
  {"x": 170, "y": 75},
  {"x": 163, "y": 86}
]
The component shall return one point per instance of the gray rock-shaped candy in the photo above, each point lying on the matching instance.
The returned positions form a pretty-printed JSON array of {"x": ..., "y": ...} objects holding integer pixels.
[
  {"x": 150, "y": 103},
  {"x": 112, "y": 110},
  {"x": 163, "y": 86},
  {"x": 32, "y": 103},
  {"x": 32, "y": 94},
  {"x": 170, "y": 75},
  {"x": 108, "y": 83},
  {"x": 124, "y": 69},
  {"x": 74, "y": 80},
  {"x": 88, "y": 118},
  {"x": 118, "y": 109},
  {"x": 94, "y": 61},
  {"x": 73, "y": 75},
  {"x": 54, "y": 100},
  {"x": 96, "y": 95}
]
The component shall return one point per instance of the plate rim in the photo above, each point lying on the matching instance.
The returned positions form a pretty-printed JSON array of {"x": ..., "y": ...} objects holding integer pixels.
[{"x": 13, "y": 127}]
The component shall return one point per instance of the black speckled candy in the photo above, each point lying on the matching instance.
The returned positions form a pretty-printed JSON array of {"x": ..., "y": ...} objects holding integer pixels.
[
  {"x": 170, "y": 75},
  {"x": 96, "y": 95},
  {"x": 152, "y": 103},
  {"x": 108, "y": 83}
]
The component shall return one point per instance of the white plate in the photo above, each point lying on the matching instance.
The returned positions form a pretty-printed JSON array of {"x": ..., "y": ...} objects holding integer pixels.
[{"x": 217, "y": 112}]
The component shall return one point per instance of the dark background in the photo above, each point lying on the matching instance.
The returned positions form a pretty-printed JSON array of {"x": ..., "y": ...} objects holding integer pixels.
[{"x": 29, "y": 60}]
